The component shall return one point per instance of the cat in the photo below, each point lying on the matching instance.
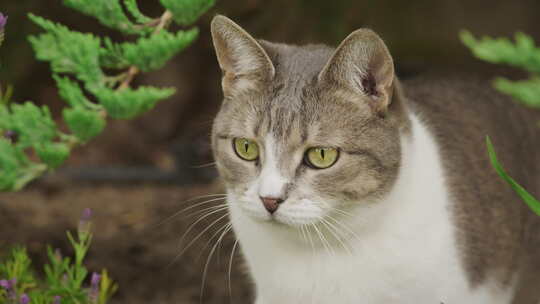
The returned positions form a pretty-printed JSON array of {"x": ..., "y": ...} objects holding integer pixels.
[{"x": 346, "y": 185}]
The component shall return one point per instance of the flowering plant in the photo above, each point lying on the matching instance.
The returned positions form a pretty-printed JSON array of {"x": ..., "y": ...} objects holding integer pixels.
[
  {"x": 3, "y": 21},
  {"x": 65, "y": 277}
]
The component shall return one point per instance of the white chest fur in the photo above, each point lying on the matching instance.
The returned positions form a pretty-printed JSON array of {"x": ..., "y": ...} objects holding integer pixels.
[{"x": 405, "y": 251}]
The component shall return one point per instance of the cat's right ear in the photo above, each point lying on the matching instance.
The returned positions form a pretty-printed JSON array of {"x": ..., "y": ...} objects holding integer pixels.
[
  {"x": 362, "y": 63},
  {"x": 242, "y": 59}
]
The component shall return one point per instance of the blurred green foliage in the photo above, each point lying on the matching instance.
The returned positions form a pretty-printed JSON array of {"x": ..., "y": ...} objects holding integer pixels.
[
  {"x": 522, "y": 54},
  {"x": 82, "y": 64}
]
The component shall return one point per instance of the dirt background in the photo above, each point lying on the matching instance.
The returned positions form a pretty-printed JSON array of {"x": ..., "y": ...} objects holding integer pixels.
[{"x": 139, "y": 173}]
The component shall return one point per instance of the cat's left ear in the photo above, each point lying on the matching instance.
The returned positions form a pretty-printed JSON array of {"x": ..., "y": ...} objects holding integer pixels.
[{"x": 362, "y": 63}]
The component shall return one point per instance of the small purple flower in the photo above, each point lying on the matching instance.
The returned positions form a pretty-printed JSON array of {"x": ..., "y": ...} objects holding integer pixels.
[
  {"x": 57, "y": 300},
  {"x": 94, "y": 287},
  {"x": 8, "y": 284},
  {"x": 3, "y": 21},
  {"x": 87, "y": 214},
  {"x": 94, "y": 281},
  {"x": 11, "y": 136},
  {"x": 25, "y": 299},
  {"x": 84, "y": 223}
]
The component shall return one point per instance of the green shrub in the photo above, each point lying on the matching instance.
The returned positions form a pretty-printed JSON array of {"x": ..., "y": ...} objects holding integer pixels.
[{"x": 81, "y": 65}]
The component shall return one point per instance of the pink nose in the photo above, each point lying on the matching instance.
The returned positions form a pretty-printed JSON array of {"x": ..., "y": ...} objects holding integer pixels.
[{"x": 271, "y": 204}]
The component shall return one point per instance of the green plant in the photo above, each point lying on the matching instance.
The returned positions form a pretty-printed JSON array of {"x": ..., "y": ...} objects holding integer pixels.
[
  {"x": 522, "y": 54},
  {"x": 65, "y": 277},
  {"x": 532, "y": 202},
  {"x": 83, "y": 66}
]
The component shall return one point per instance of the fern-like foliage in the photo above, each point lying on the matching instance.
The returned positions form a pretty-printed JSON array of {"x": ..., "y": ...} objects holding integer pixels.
[
  {"x": 81, "y": 65},
  {"x": 187, "y": 11}
]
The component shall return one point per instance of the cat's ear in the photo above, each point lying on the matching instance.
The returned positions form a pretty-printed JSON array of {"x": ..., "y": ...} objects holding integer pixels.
[
  {"x": 362, "y": 63},
  {"x": 242, "y": 59}
]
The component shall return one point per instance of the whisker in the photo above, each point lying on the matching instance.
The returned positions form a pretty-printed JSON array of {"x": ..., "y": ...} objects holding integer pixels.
[
  {"x": 348, "y": 229},
  {"x": 218, "y": 231},
  {"x": 335, "y": 232},
  {"x": 197, "y": 237},
  {"x": 204, "y": 210},
  {"x": 225, "y": 231},
  {"x": 204, "y": 165},
  {"x": 223, "y": 208},
  {"x": 303, "y": 233},
  {"x": 342, "y": 212},
  {"x": 169, "y": 218},
  {"x": 310, "y": 239},
  {"x": 323, "y": 239},
  {"x": 220, "y": 199},
  {"x": 229, "y": 282},
  {"x": 330, "y": 246}
]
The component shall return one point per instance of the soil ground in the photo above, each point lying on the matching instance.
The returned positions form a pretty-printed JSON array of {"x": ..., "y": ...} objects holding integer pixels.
[{"x": 131, "y": 240}]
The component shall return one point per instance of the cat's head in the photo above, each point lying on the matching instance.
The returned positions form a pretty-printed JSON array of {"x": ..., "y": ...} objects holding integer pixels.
[{"x": 305, "y": 132}]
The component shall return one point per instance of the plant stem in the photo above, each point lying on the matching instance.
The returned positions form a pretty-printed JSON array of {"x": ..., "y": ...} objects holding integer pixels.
[{"x": 164, "y": 22}]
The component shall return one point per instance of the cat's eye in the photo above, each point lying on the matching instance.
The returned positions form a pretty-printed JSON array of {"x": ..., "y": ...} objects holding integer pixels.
[
  {"x": 321, "y": 158},
  {"x": 246, "y": 149}
]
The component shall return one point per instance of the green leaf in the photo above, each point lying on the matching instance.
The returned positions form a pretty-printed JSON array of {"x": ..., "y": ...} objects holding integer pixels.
[
  {"x": 533, "y": 203},
  {"x": 16, "y": 170},
  {"x": 2, "y": 36},
  {"x": 68, "y": 51},
  {"x": 5, "y": 95},
  {"x": 153, "y": 52},
  {"x": 133, "y": 9},
  {"x": 186, "y": 12},
  {"x": 128, "y": 103},
  {"x": 107, "y": 12},
  {"x": 85, "y": 124},
  {"x": 521, "y": 54},
  {"x": 526, "y": 91},
  {"x": 112, "y": 56},
  {"x": 11, "y": 161},
  {"x": 52, "y": 154},
  {"x": 31, "y": 123},
  {"x": 18, "y": 266},
  {"x": 10, "y": 157},
  {"x": 72, "y": 93},
  {"x": 107, "y": 288}
]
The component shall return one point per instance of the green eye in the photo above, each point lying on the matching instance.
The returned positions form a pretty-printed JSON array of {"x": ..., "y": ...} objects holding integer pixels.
[
  {"x": 246, "y": 149},
  {"x": 321, "y": 158}
]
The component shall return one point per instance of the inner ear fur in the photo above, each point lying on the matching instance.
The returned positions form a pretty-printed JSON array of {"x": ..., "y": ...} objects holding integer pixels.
[{"x": 363, "y": 64}]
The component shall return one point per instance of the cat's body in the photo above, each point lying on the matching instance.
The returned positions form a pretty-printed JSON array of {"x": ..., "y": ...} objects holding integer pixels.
[{"x": 410, "y": 212}]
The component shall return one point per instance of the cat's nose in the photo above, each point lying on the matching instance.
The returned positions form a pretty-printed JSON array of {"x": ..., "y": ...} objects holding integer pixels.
[{"x": 271, "y": 203}]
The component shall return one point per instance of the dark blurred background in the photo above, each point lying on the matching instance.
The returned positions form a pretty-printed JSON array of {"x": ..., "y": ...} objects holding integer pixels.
[{"x": 139, "y": 172}]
